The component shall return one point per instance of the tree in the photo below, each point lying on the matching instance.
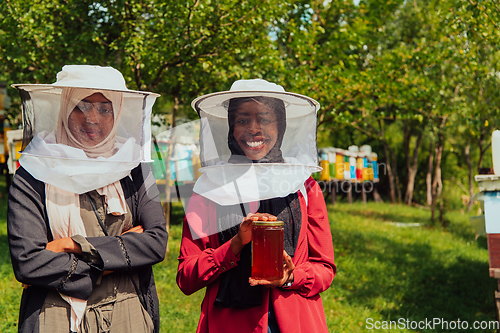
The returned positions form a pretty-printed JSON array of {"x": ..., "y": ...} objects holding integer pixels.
[{"x": 176, "y": 49}]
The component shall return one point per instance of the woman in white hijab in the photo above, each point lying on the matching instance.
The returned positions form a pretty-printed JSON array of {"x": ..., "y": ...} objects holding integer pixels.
[{"x": 84, "y": 219}]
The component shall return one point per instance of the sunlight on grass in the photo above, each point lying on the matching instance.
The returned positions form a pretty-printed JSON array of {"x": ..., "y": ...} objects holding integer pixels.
[{"x": 387, "y": 272}]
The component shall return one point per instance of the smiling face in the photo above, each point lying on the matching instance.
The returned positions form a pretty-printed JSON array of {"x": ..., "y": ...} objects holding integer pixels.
[
  {"x": 255, "y": 129},
  {"x": 91, "y": 120}
]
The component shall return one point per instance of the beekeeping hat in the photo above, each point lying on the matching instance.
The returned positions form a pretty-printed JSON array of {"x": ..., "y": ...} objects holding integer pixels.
[
  {"x": 216, "y": 104},
  {"x": 66, "y": 166},
  {"x": 229, "y": 183}
]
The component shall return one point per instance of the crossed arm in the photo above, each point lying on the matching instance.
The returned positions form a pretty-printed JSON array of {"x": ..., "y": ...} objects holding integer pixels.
[{"x": 56, "y": 264}]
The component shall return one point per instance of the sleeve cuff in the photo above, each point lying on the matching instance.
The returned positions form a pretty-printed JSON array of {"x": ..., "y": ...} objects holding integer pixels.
[
  {"x": 224, "y": 257},
  {"x": 89, "y": 253},
  {"x": 299, "y": 277}
]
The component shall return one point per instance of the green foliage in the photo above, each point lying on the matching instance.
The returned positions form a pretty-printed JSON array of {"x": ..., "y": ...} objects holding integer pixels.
[
  {"x": 179, "y": 49},
  {"x": 429, "y": 68},
  {"x": 384, "y": 72}
]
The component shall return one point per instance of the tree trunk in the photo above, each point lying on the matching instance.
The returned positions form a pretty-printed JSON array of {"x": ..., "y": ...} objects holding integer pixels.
[
  {"x": 376, "y": 195},
  {"x": 390, "y": 175},
  {"x": 469, "y": 167},
  {"x": 412, "y": 173},
  {"x": 428, "y": 179},
  {"x": 412, "y": 169},
  {"x": 407, "y": 135},
  {"x": 167, "y": 205},
  {"x": 482, "y": 151},
  {"x": 437, "y": 184},
  {"x": 396, "y": 178}
]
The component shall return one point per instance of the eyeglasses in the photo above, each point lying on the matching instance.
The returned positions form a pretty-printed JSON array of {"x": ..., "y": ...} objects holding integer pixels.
[{"x": 103, "y": 108}]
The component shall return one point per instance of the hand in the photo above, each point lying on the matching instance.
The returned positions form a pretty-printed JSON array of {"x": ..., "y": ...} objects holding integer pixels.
[
  {"x": 288, "y": 268},
  {"x": 66, "y": 245},
  {"x": 138, "y": 229},
  {"x": 244, "y": 235}
]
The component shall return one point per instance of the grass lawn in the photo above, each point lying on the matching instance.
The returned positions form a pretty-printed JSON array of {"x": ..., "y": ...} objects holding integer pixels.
[
  {"x": 390, "y": 272},
  {"x": 386, "y": 272}
]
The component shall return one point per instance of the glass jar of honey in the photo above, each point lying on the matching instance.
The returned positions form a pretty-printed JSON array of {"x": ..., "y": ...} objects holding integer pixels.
[{"x": 267, "y": 250}]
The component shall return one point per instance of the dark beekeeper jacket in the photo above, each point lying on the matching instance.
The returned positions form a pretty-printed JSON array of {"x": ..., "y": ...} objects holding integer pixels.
[{"x": 43, "y": 270}]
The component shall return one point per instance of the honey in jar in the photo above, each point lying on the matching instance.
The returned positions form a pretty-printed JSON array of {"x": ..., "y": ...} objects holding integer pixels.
[{"x": 267, "y": 250}]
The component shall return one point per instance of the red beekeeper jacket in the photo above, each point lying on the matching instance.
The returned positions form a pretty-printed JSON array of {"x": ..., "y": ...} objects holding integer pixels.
[{"x": 298, "y": 308}]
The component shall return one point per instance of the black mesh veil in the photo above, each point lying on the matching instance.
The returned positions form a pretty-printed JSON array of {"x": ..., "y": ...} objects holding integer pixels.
[{"x": 28, "y": 115}]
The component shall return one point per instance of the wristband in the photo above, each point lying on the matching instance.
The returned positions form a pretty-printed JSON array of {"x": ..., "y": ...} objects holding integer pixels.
[{"x": 288, "y": 283}]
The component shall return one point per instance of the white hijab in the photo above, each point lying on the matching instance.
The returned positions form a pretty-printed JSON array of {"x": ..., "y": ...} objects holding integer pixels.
[{"x": 59, "y": 159}]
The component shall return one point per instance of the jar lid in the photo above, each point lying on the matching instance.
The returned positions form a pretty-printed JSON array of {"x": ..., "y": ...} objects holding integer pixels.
[{"x": 268, "y": 223}]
